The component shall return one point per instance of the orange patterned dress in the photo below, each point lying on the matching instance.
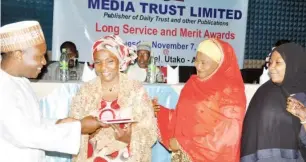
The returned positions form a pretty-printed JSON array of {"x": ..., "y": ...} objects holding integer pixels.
[{"x": 207, "y": 121}]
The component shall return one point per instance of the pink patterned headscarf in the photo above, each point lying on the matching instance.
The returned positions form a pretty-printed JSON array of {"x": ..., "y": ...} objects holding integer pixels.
[{"x": 115, "y": 44}]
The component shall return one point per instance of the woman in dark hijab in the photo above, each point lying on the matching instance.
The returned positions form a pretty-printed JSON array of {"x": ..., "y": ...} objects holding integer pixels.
[{"x": 272, "y": 131}]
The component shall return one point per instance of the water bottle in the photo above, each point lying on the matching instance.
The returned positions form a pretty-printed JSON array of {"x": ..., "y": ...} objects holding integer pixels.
[
  {"x": 63, "y": 66},
  {"x": 151, "y": 74},
  {"x": 160, "y": 76}
]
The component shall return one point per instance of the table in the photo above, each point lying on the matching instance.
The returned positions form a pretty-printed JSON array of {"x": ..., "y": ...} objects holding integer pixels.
[
  {"x": 55, "y": 99},
  {"x": 44, "y": 89}
]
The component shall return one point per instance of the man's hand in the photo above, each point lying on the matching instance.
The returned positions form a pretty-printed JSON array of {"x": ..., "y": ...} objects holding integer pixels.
[
  {"x": 124, "y": 134},
  {"x": 66, "y": 120},
  {"x": 103, "y": 125},
  {"x": 94, "y": 133},
  {"x": 90, "y": 124}
]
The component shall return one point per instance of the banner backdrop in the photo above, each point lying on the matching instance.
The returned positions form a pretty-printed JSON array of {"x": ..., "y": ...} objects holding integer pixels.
[{"x": 175, "y": 28}]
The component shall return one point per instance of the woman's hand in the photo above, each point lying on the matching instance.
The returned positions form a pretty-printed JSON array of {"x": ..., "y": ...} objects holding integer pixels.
[
  {"x": 174, "y": 145},
  {"x": 156, "y": 106},
  {"x": 123, "y": 134},
  {"x": 296, "y": 108}
]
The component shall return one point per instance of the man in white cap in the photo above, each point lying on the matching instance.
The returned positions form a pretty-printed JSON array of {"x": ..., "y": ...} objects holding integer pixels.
[
  {"x": 138, "y": 71},
  {"x": 24, "y": 134}
]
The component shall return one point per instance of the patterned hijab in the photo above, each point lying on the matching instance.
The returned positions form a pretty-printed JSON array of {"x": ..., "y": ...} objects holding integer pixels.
[{"x": 115, "y": 45}]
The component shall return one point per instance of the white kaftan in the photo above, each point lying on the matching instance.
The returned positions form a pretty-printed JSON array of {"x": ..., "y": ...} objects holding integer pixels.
[
  {"x": 24, "y": 134},
  {"x": 134, "y": 72}
]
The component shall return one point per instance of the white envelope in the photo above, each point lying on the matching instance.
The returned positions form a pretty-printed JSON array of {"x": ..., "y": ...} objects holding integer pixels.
[
  {"x": 172, "y": 75},
  {"x": 88, "y": 74}
]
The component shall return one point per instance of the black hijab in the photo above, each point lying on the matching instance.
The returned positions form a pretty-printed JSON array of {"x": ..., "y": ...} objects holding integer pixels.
[
  {"x": 295, "y": 59},
  {"x": 267, "y": 124}
]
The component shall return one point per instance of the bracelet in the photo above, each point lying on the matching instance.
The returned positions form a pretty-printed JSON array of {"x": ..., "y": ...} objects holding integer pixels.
[{"x": 303, "y": 122}]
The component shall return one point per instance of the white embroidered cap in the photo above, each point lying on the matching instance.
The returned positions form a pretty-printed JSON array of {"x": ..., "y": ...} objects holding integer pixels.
[
  {"x": 144, "y": 46},
  {"x": 21, "y": 35}
]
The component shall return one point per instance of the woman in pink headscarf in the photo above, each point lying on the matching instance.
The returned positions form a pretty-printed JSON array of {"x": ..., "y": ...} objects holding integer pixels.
[{"x": 110, "y": 96}]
